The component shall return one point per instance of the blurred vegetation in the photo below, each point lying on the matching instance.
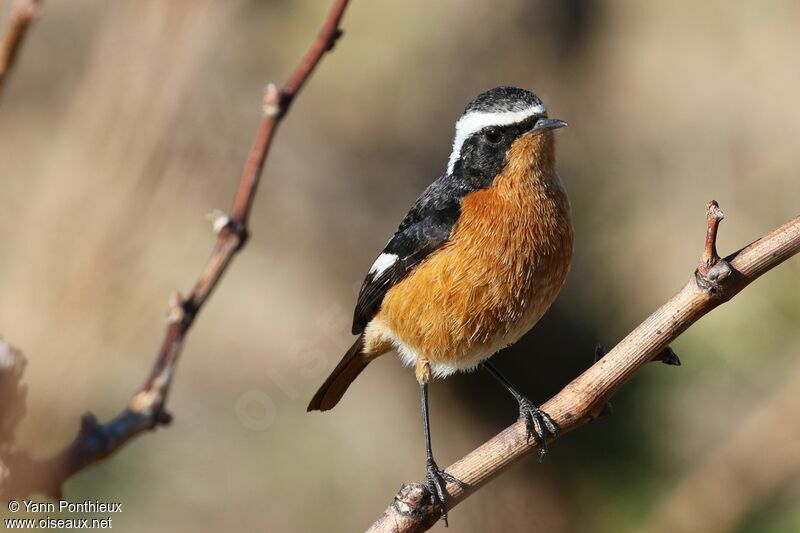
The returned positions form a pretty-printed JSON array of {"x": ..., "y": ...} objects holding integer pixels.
[{"x": 125, "y": 122}]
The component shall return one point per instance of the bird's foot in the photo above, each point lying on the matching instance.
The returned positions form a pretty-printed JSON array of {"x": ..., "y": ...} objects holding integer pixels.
[
  {"x": 538, "y": 423},
  {"x": 436, "y": 481}
]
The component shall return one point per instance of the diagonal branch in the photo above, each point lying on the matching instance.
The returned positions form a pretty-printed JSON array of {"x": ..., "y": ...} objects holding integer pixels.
[
  {"x": 23, "y": 13},
  {"x": 716, "y": 281},
  {"x": 146, "y": 409}
]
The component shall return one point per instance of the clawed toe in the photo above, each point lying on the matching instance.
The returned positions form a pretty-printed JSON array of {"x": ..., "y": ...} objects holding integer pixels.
[
  {"x": 538, "y": 423},
  {"x": 436, "y": 480}
]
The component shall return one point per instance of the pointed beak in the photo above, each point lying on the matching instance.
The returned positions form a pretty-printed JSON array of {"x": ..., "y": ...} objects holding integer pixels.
[{"x": 544, "y": 124}]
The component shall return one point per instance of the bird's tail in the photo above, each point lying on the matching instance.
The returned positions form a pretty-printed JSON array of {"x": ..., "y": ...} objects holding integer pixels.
[{"x": 351, "y": 365}]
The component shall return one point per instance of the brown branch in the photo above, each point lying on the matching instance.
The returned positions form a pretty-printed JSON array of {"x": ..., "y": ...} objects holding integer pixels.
[
  {"x": 146, "y": 410},
  {"x": 23, "y": 13},
  {"x": 714, "y": 216},
  {"x": 585, "y": 397}
]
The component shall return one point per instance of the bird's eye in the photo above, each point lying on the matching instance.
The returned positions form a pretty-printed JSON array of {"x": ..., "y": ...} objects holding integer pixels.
[{"x": 493, "y": 135}]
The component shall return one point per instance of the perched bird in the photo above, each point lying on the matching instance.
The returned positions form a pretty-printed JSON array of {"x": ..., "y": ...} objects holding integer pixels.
[{"x": 475, "y": 263}]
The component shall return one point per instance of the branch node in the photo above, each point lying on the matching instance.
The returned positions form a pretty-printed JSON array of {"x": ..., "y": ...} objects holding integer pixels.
[
  {"x": 338, "y": 32},
  {"x": 272, "y": 104},
  {"x": 413, "y": 499},
  {"x": 719, "y": 272},
  {"x": 189, "y": 309},
  {"x": 162, "y": 417},
  {"x": 219, "y": 220},
  {"x": 88, "y": 423},
  {"x": 175, "y": 309},
  {"x": 713, "y": 270},
  {"x": 238, "y": 228}
]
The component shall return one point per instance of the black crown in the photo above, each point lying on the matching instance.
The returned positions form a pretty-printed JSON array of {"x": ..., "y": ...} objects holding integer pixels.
[{"x": 502, "y": 99}]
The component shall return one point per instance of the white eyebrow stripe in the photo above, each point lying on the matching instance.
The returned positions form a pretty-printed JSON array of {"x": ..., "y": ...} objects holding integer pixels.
[{"x": 477, "y": 120}]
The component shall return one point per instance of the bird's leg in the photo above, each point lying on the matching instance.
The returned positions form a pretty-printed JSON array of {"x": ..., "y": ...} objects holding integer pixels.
[
  {"x": 537, "y": 422},
  {"x": 435, "y": 478}
]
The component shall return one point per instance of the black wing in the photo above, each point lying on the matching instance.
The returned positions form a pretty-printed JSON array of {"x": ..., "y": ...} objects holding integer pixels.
[{"x": 424, "y": 229}]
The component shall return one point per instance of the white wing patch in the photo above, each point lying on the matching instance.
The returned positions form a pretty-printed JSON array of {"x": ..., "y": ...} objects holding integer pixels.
[
  {"x": 477, "y": 120},
  {"x": 383, "y": 262}
]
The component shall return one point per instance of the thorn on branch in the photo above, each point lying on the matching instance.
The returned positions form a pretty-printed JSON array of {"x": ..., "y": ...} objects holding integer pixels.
[
  {"x": 668, "y": 357},
  {"x": 599, "y": 352},
  {"x": 338, "y": 32}
]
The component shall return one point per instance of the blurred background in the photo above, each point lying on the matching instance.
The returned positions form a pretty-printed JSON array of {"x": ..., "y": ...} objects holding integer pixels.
[{"x": 125, "y": 123}]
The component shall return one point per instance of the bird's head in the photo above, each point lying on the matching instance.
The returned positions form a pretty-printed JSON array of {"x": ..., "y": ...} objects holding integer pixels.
[{"x": 501, "y": 126}]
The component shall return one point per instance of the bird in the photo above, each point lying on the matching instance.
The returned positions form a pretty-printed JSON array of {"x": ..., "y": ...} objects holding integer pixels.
[{"x": 476, "y": 262}]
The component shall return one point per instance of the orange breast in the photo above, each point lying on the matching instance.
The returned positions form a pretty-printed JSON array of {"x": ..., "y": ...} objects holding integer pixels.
[{"x": 503, "y": 266}]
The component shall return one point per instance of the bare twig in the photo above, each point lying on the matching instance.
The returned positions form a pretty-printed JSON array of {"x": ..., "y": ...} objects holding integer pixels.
[
  {"x": 146, "y": 409},
  {"x": 714, "y": 216},
  {"x": 23, "y": 12},
  {"x": 584, "y": 398}
]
